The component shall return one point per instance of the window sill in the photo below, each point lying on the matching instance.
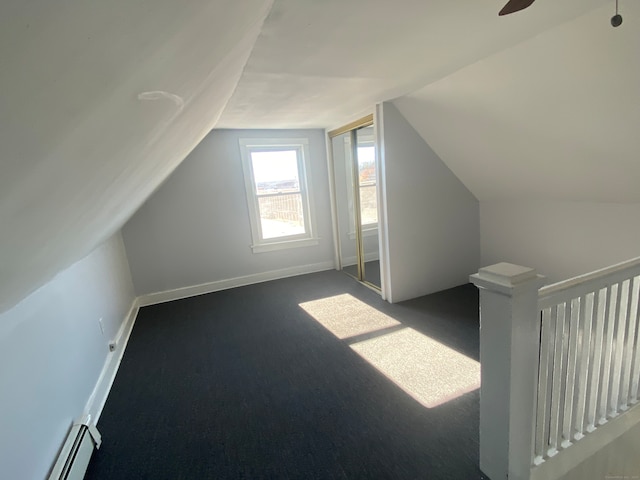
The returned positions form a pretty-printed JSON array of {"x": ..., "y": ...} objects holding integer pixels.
[{"x": 270, "y": 247}]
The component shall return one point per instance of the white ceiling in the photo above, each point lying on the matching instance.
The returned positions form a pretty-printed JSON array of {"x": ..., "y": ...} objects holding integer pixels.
[
  {"x": 554, "y": 117},
  {"x": 85, "y": 138},
  {"x": 323, "y": 63}
]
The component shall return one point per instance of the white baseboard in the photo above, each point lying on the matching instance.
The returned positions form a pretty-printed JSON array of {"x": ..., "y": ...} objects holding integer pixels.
[
  {"x": 185, "y": 292},
  {"x": 98, "y": 397}
]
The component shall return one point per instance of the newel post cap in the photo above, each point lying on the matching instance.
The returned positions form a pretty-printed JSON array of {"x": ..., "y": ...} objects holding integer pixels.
[{"x": 506, "y": 278}]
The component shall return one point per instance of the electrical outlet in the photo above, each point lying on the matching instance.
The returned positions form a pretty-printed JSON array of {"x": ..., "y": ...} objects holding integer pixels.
[{"x": 112, "y": 346}]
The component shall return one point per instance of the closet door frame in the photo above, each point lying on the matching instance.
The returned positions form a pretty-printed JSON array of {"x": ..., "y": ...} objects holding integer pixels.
[{"x": 352, "y": 129}]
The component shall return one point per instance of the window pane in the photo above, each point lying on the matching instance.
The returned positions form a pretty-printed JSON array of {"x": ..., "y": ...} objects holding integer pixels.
[
  {"x": 367, "y": 179},
  {"x": 281, "y": 215},
  {"x": 368, "y": 204},
  {"x": 275, "y": 171},
  {"x": 367, "y": 165}
]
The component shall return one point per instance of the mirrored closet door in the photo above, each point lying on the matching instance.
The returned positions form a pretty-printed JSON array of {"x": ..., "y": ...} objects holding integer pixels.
[{"x": 355, "y": 170}]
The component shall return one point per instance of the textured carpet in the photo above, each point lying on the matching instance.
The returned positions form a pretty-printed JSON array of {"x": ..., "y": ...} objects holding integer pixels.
[{"x": 246, "y": 384}]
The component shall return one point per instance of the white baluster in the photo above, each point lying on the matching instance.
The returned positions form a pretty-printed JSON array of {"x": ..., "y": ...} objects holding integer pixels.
[
  {"x": 584, "y": 347},
  {"x": 599, "y": 313},
  {"x": 544, "y": 386},
  {"x": 635, "y": 374},
  {"x": 610, "y": 312},
  {"x": 559, "y": 378},
  {"x": 572, "y": 316},
  {"x": 618, "y": 344},
  {"x": 631, "y": 320},
  {"x": 554, "y": 414}
]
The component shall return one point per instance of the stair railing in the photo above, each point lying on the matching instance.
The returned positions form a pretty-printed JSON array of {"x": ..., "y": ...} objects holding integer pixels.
[{"x": 558, "y": 363}]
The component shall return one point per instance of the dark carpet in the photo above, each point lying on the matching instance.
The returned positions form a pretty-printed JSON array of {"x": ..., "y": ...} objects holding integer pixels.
[{"x": 243, "y": 384}]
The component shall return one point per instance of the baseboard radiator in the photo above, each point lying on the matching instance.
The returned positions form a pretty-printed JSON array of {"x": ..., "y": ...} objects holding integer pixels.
[{"x": 76, "y": 452}]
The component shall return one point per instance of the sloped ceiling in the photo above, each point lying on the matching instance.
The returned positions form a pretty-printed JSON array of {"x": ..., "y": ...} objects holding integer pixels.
[
  {"x": 556, "y": 117},
  {"x": 323, "y": 63},
  {"x": 99, "y": 102}
]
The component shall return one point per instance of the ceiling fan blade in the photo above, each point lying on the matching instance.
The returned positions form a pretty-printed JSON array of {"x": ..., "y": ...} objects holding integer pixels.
[{"x": 515, "y": 6}]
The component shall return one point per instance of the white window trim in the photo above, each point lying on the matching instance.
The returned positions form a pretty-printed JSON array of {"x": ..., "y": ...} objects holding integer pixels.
[{"x": 309, "y": 238}]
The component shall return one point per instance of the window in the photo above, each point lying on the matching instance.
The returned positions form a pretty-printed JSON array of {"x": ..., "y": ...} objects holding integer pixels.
[
  {"x": 367, "y": 185},
  {"x": 275, "y": 172},
  {"x": 367, "y": 182}
]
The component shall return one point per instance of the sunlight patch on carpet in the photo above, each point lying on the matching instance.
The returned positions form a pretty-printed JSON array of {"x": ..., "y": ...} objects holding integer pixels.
[
  {"x": 346, "y": 316},
  {"x": 424, "y": 368},
  {"x": 429, "y": 371}
]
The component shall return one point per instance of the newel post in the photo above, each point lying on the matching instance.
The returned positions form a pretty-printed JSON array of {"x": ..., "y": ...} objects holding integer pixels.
[{"x": 509, "y": 350}]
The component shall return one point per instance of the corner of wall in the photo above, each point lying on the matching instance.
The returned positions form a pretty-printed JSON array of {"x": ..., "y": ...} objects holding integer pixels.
[{"x": 432, "y": 217}]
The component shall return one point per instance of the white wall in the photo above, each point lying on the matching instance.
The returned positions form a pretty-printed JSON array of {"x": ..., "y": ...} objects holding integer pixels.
[
  {"x": 195, "y": 229},
  {"x": 52, "y": 352},
  {"x": 432, "y": 219},
  {"x": 559, "y": 239},
  {"x": 554, "y": 116}
]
